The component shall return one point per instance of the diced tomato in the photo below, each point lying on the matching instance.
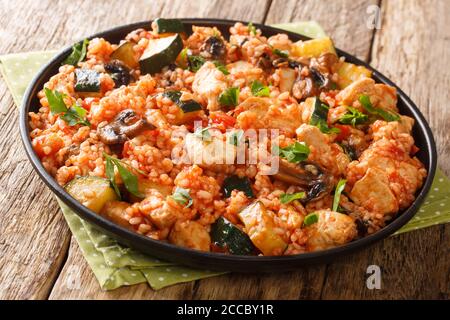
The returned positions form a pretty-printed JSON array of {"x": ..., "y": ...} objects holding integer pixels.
[
  {"x": 345, "y": 132},
  {"x": 47, "y": 145},
  {"x": 414, "y": 150},
  {"x": 222, "y": 118}
]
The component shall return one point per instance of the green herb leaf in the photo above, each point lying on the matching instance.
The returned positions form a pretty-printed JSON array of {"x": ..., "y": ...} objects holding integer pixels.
[
  {"x": 337, "y": 193},
  {"x": 55, "y": 100},
  {"x": 129, "y": 179},
  {"x": 72, "y": 116},
  {"x": 183, "y": 58},
  {"x": 310, "y": 219},
  {"x": 221, "y": 67},
  {"x": 319, "y": 118},
  {"x": 236, "y": 137},
  {"x": 386, "y": 115},
  {"x": 75, "y": 115},
  {"x": 353, "y": 117},
  {"x": 280, "y": 53},
  {"x": 294, "y": 153},
  {"x": 195, "y": 62},
  {"x": 203, "y": 133},
  {"x": 289, "y": 197},
  {"x": 78, "y": 53},
  {"x": 111, "y": 176},
  {"x": 259, "y": 90},
  {"x": 251, "y": 28},
  {"x": 230, "y": 97},
  {"x": 182, "y": 196}
]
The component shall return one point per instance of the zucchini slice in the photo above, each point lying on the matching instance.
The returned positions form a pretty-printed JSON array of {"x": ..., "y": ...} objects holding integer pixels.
[
  {"x": 260, "y": 227},
  {"x": 92, "y": 192},
  {"x": 226, "y": 235},
  {"x": 160, "y": 53},
  {"x": 235, "y": 183},
  {"x": 320, "y": 112},
  {"x": 125, "y": 53},
  {"x": 168, "y": 26},
  {"x": 189, "y": 109},
  {"x": 87, "y": 80}
]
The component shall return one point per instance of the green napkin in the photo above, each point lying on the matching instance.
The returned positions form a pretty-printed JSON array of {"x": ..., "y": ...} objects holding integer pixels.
[{"x": 115, "y": 265}]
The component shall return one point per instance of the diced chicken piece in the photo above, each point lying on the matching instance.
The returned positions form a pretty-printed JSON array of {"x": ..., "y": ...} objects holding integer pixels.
[
  {"x": 205, "y": 153},
  {"x": 287, "y": 79},
  {"x": 373, "y": 193},
  {"x": 165, "y": 216},
  {"x": 322, "y": 151},
  {"x": 190, "y": 234},
  {"x": 331, "y": 230},
  {"x": 116, "y": 212},
  {"x": 393, "y": 129},
  {"x": 209, "y": 83},
  {"x": 314, "y": 138},
  {"x": 260, "y": 113},
  {"x": 156, "y": 117},
  {"x": 244, "y": 70},
  {"x": 381, "y": 95}
]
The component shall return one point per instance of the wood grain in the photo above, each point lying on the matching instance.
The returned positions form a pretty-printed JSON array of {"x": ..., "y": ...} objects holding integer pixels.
[{"x": 38, "y": 255}]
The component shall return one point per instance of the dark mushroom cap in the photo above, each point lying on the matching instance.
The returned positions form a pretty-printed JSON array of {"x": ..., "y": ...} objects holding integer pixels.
[
  {"x": 307, "y": 175},
  {"x": 214, "y": 47},
  {"x": 119, "y": 73},
  {"x": 125, "y": 125}
]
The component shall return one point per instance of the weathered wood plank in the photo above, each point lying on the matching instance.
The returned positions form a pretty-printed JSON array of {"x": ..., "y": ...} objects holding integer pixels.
[
  {"x": 411, "y": 48},
  {"x": 344, "y": 21}
]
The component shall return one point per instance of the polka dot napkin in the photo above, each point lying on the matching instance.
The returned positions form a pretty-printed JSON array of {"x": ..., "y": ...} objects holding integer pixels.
[{"x": 115, "y": 265}]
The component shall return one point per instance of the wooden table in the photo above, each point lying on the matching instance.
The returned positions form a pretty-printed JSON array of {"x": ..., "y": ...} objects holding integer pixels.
[{"x": 38, "y": 256}]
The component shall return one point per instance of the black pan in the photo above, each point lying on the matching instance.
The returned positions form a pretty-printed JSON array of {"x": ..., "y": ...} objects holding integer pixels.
[{"x": 216, "y": 261}]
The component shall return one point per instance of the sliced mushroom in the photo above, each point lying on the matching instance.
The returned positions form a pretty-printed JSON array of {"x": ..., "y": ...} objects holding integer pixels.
[
  {"x": 214, "y": 48},
  {"x": 315, "y": 77},
  {"x": 306, "y": 175},
  {"x": 125, "y": 125}
]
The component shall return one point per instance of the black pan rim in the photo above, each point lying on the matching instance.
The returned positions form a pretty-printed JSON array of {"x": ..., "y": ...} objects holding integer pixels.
[{"x": 218, "y": 261}]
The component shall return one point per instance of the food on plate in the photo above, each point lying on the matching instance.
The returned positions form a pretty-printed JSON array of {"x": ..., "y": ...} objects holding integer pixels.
[{"x": 154, "y": 134}]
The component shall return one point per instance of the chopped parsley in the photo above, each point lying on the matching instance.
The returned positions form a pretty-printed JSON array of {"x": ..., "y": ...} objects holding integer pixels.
[
  {"x": 353, "y": 117},
  {"x": 230, "y": 97},
  {"x": 78, "y": 54},
  {"x": 259, "y": 90},
  {"x": 337, "y": 193},
  {"x": 386, "y": 115},
  {"x": 310, "y": 219},
  {"x": 129, "y": 179},
  {"x": 72, "y": 116},
  {"x": 203, "y": 133},
  {"x": 182, "y": 196},
  {"x": 289, "y": 197},
  {"x": 294, "y": 153}
]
